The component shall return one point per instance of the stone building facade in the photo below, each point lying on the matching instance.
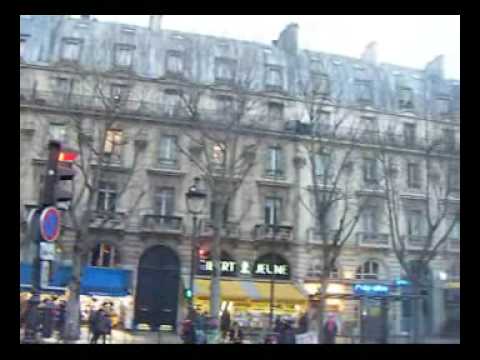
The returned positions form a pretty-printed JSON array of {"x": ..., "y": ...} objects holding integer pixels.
[{"x": 153, "y": 63}]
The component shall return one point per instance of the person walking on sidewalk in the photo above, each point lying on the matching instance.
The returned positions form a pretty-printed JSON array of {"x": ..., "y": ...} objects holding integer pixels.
[
  {"x": 101, "y": 326},
  {"x": 330, "y": 330}
]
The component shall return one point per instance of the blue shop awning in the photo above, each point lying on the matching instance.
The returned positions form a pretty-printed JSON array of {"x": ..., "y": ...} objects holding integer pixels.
[{"x": 94, "y": 281}]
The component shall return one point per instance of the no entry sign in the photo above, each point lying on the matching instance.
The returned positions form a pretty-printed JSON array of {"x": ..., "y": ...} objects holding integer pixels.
[{"x": 50, "y": 224}]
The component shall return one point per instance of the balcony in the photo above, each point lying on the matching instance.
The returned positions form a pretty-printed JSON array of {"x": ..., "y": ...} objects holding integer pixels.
[
  {"x": 283, "y": 233},
  {"x": 167, "y": 224},
  {"x": 417, "y": 241},
  {"x": 231, "y": 230},
  {"x": 375, "y": 240},
  {"x": 108, "y": 220},
  {"x": 315, "y": 236}
]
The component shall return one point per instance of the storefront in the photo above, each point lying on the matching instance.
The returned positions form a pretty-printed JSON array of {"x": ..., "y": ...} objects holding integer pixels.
[
  {"x": 98, "y": 286},
  {"x": 245, "y": 290},
  {"x": 452, "y": 308}
]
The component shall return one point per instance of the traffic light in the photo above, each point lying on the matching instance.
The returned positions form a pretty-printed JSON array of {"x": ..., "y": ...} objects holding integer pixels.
[
  {"x": 59, "y": 170},
  {"x": 188, "y": 294},
  {"x": 203, "y": 254}
]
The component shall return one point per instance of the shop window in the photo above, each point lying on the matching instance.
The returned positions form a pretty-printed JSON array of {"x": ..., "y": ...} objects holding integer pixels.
[
  {"x": 104, "y": 255},
  {"x": 368, "y": 271}
]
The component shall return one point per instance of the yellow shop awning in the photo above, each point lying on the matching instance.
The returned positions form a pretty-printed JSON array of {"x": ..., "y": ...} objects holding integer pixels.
[
  {"x": 453, "y": 285},
  {"x": 285, "y": 292},
  {"x": 250, "y": 290},
  {"x": 230, "y": 289}
]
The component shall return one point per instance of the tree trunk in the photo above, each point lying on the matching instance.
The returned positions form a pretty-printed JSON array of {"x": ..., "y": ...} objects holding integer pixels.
[
  {"x": 72, "y": 314},
  {"x": 215, "y": 295}
]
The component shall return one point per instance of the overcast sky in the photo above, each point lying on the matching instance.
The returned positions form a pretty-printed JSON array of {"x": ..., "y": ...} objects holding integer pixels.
[{"x": 408, "y": 40}]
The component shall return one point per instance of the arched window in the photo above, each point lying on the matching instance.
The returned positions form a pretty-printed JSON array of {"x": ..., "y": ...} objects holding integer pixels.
[
  {"x": 369, "y": 270},
  {"x": 104, "y": 255}
]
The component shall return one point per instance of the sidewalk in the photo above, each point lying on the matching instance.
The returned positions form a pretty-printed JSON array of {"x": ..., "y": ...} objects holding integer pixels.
[{"x": 124, "y": 337}]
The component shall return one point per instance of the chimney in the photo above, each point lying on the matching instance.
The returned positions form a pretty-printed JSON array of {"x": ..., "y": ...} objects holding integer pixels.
[
  {"x": 370, "y": 53},
  {"x": 155, "y": 23},
  {"x": 435, "y": 67},
  {"x": 288, "y": 39}
]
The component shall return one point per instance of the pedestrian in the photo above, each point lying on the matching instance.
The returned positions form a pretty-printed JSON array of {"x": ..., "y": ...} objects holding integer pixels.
[
  {"x": 188, "y": 332},
  {"x": 330, "y": 330},
  {"x": 60, "y": 321},
  {"x": 236, "y": 334},
  {"x": 48, "y": 318},
  {"x": 101, "y": 326},
  {"x": 303, "y": 324},
  {"x": 91, "y": 317},
  {"x": 225, "y": 323}
]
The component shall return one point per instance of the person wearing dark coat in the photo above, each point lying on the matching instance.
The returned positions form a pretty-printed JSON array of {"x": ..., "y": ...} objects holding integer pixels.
[
  {"x": 188, "y": 332},
  {"x": 225, "y": 323},
  {"x": 101, "y": 326},
  {"x": 236, "y": 334},
  {"x": 60, "y": 321},
  {"x": 48, "y": 318},
  {"x": 303, "y": 324},
  {"x": 287, "y": 335},
  {"x": 330, "y": 330}
]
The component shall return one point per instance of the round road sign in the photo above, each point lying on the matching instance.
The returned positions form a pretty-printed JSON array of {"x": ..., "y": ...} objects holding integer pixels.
[{"x": 50, "y": 224}]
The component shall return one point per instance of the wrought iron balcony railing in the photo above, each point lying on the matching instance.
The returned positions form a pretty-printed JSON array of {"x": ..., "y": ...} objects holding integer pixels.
[
  {"x": 315, "y": 236},
  {"x": 264, "y": 232},
  {"x": 230, "y": 230},
  {"x": 108, "y": 219},
  {"x": 162, "y": 223},
  {"x": 373, "y": 239}
]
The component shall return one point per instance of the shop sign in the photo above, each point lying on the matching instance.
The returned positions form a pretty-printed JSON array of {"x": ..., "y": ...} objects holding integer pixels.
[
  {"x": 264, "y": 267},
  {"x": 371, "y": 289},
  {"x": 268, "y": 269},
  {"x": 226, "y": 266}
]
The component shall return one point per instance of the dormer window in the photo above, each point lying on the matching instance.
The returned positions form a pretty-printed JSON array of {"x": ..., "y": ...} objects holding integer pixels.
[
  {"x": 274, "y": 78},
  {"x": 320, "y": 84},
  {"x": 224, "y": 69},
  {"x": 364, "y": 91},
  {"x": 175, "y": 62},
  {"x": 71, "y": 49},
  {"x": 405, "y": 98},
  {"x": 123, "y": 55}
]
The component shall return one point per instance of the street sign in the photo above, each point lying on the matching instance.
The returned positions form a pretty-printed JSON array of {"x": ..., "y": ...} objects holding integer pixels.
[
  {"x": 47, "y": 251},
  {"x": 50, "y": 224}
]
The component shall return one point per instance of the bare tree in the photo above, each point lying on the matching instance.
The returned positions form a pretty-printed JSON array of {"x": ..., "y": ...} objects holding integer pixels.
[
  {"x": 222, "y": 148},
  {"x": 106, "y": 146},
  {"x": 330, "y": 146},
  {"x": 439, "y": 213}
]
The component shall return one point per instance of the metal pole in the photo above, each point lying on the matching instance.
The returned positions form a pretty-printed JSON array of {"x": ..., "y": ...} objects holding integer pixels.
[
  {"x": 193, "y": 259},
  {"x": 272, "y": 280}
]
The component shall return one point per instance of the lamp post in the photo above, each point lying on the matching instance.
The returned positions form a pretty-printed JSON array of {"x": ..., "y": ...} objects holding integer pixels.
[{"x": 195, "y": 198}]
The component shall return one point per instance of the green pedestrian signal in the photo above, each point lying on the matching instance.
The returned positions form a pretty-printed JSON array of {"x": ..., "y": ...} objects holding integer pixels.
[{"x": 188, "y": 293}]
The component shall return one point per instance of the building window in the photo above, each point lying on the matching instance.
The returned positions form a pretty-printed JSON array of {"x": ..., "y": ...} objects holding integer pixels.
[
  {"x": 405, "y": 98},
  {"x": 370, "y": 220},
  {"x": 415, "y": 228},
  {"x": 275, "y": 111},
  {"x": 171, "y": 101},
  {"x": 118, "y": 92},
  {"x": 368, "y": 271},
  {"x": 218, "y": 155},
  {"x": 175, "y": 62},
  {"x": 104, "y": 255},
  {"x": 224, "y": 69},
  {"x": 370, "y": 174},
  {"x": 57, "y": 132},
  {"x": 123, "y": 55},
  {"x": 442, "y": 106},
  {"x": 413, "y": 170},
  {"x": 113, "y": 142},
  {"x": 168, "y": 150},
  {"x": 273, "y": 206},
  {"x": 449, "y": 137},
  {"x": 363, "y": 91},
  {"x": 23, "y": 41},
  {"x": 214, "y": 207},
  {"x": 274, "y": 162},
  {"x": 107, "y": 196},
  {"x": 370, "y": 128},
  {"x": 323, "y": 122},
  {"x": 274, "y": 78},
  {"x": 409, "y": 134},
  {"x": 224, "y": 104},
  {"x": 320, "y": 83},
  {"x": 453, "y": 175},
  {"x": 322, "y": 165},
  {"x": 71, "y": 49},
  {"x": 165, "y": 201}
]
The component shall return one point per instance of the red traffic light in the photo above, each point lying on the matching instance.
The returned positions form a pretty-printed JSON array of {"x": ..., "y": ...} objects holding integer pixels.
[
  {"x": 203, "y": 253},
  {"x": 67, "y": 156}
]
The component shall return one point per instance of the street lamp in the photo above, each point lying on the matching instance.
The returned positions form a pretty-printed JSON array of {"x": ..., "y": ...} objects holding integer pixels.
[{"x": 195, "y": 198}]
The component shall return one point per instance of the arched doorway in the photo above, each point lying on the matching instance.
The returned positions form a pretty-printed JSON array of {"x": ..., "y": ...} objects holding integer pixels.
[{"x": 158, "y": 280}]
